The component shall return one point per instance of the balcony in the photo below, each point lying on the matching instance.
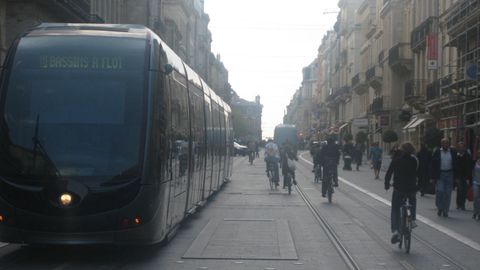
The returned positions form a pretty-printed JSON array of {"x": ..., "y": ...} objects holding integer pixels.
[
  {"x": 359, "y": 84},
  {"x": 413, "y": 94},
  {"x": 414, "y": 89},
  {"x": 462, "y": 15},
  {"x": 433, "y": 91},
  {"x": 380, "y": 104},
  {"x": 374, "y": 77},
  {"x": 419, "y": 34},
  {"x": 400, "y": 58}
]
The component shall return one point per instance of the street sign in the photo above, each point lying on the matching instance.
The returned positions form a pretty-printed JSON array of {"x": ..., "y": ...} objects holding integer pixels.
[{"x": 471, "y": 71}]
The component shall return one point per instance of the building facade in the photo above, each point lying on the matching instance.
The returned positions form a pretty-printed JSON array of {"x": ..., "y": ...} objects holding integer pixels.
[
  {"x": 247, "y": 119},
  {"x": 402, "y": 65}
]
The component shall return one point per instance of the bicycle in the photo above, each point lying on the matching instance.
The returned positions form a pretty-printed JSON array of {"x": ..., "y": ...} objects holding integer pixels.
[
  {"x": 318, "y": 173},
  {"x": 328, "y": 180},
  {"x": 405, "y": 230},
  {"x": 271, "y": 174}
]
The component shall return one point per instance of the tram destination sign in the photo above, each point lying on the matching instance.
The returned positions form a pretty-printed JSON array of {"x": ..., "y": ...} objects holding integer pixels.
[{"x": 82, "y": 62}]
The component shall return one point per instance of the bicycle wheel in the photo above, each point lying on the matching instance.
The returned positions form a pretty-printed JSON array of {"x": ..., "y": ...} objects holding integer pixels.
[
  {"x": 407, "y": 239},
  {"x": 408, "y": 234},
  {"x": 330, "y": 190},
  {"x": 289, "y": 184},
  {"x": 270, "y": 179}
]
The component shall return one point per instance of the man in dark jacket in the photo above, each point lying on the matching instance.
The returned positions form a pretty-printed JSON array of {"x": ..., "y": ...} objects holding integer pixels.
[
  {"x": 463, "y": 174},
  {"x": 330, "y": 155},
  {"x": 404, "y": 169},
  {"x": 442, "y": 168},
  {"x": 424, "y": 156}
]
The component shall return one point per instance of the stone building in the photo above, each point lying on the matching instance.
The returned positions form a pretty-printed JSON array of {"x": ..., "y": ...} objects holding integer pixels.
[
  {"x": 18, "y": 16},
  {"x": 182, "y": 24},
  {"x": 247, "y": 119}
]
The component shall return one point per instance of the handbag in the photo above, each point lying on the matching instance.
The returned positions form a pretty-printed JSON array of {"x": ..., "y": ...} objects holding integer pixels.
[
  {"x": 470, "y": 194},
  {"x": 291, "y": 164}
]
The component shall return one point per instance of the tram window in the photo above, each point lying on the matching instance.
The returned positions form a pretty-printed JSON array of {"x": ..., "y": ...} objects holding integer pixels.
[{"x": 83, "y": 104}]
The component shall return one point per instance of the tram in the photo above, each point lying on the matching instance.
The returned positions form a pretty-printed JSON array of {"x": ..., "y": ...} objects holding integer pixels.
[
  {"x": 285, "y": 133},
  {"x": 106, "y": 137}
]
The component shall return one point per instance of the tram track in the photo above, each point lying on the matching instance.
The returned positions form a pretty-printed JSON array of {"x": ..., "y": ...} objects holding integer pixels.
[
  {"x": 382, "y": 216},
  {"x": 330, "y": 232},
  {"x": 414, "y": 235}
]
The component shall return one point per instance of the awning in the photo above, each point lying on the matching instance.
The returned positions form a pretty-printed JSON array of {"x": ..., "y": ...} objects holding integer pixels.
[
  {"x": 409, "y": 124},
  {"x": 342, "y": 126},
  {"x": 413, "y": 126}
]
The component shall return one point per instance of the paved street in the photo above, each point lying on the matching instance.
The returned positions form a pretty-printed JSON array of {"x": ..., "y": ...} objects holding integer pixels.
[{"x": 248, "y": 226}]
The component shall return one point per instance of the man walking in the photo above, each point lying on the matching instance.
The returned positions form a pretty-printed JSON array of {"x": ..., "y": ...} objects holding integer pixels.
[
  {"x": 463, "y": 174},
  {"x": 442, "y": 168}
]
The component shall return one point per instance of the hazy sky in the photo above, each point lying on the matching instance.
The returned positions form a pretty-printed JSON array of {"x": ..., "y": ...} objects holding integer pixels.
[{"x": 264, "y": 44}]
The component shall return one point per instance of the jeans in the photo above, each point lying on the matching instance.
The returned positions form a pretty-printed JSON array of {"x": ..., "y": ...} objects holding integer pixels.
[
  {"x": 444, "y": 191},
  {"x": 397, "y": 200}
]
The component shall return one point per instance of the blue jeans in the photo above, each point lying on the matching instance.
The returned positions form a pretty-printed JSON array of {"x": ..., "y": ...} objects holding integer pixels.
[{"x": 444, "y": 191}]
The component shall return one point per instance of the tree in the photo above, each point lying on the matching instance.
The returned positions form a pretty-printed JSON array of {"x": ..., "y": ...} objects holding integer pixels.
[
  {"x": 433, "y": 136},
  {"x": 389, "y": 136}
]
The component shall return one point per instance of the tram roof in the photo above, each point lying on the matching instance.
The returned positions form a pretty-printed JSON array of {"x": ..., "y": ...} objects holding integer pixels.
[{"x": 112, "y": 30}]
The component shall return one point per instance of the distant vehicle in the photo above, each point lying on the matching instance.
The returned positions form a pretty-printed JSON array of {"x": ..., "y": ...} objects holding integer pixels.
[
  {"x": 284, "y": 133},
  {"x": 239, "y": 149}
]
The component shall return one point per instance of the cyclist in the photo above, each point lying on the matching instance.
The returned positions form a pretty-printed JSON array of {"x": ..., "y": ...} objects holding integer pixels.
[
  {"x": 330, "y": 158},
  {"x": 272, "y": 155},
  {"x": 317, "y": 160},
  {"x": 404, "y": 169},
  {"x": 286, "y": 153}
]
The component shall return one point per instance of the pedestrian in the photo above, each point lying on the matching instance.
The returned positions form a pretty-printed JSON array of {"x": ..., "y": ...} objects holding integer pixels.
[
  {"x": 375, "y": 157},
  {"x": 476, "y": 188},
  {"x": 442, "y": 168},
  {"x": 404, "y": 168},
  {"x": 348, "y": 152},
  {"x": 424, "y": 156},
  {"x": 257, "y": 149},
  {"x": 463, "y": 175},
  {"x": 359, "y": 149}
]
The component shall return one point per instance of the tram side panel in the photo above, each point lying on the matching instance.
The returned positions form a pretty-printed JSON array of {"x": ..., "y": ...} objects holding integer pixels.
[
  {"x": 198, "y": 147},
  {"x": 179, "y": 150},
  {"x": 222, "y": 144},
  {"x": 216, "y": 146},
  {"x": 208, "y": 187},
  {"x": 229, "y": 144}
]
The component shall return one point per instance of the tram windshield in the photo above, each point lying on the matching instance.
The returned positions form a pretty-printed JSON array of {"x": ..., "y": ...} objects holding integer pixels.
[{"x": 72, "y": 107}]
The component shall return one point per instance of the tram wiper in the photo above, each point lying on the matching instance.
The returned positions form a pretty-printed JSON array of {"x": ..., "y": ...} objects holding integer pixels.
[{"x": 38, "y": 148}]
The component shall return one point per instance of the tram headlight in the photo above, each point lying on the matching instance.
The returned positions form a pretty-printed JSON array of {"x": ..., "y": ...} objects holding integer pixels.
[{"x": 65, "y": 199}]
